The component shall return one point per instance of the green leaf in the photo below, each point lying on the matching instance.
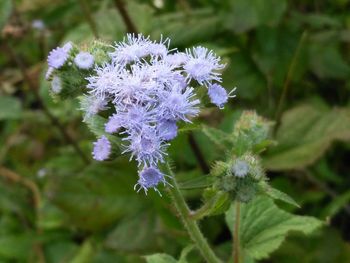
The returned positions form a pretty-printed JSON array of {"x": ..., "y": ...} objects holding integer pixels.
[
  {"x": 5, "y": 12},
  {"x": 215, "y": 203},
  {"x": 133, "y": 233},
  {"x": 263, "y": 226},
  {"x": 277, "y": 194},
  {"x": 336, "y": 205},
  {"x": 16, "y": 246},
  {"x": 160, "y": 258},
  {"x": 10, "y": 108},
  {"x": 244, "y": 15},
  {"x": 84, "y": 254},
  {"x": 201, "y": 181},
  {"x": 102, "y": 188},
  {"x": 220, "y": 138},
  {"x": 306, "y": 132},
  {"x": 327, "y": 61}
]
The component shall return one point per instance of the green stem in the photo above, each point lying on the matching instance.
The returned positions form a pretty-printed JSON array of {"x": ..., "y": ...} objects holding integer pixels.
[
  {"x": 190, "y": 224},
  {"x": 236, "y": 245}
]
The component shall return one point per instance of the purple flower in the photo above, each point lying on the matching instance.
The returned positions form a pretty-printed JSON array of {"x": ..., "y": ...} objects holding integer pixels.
[
  {"x": 167, "y": 129},
  {"x": 92, "y": 105},
  {"x": 102, "y": 149},
  {"x": 150, "y": 177},
  {"x": 114, "y": 124},
  {"x": 203, "y": 65},
  {"x": 49, "y": 73},
  {"x": 133, "y": 48},
  {"x": 176, "y": 59},
  {"x": 57, "y": 57},
  {"x": 56, "y": 85},
  {"x": 217, "y": 95},
  {"x": 84, "y": 60},
  {"x": 146, "y": 146},
  {"x": 176, "y": 105}
]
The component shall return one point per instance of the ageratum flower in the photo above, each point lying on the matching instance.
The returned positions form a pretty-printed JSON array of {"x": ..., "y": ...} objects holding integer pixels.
[
  {"x": 56, "y": 85},
  {"x": 203, "y": 66},
  {"x": 84, "y": 60},
  {"x": 58, "y": 56},
  {"x": 146, "y": 87},
  {"x": 150, "y": 177},
  {"x": 240, "y": 168},
  {"x": 102, "y": 149},
  {"x": 131, "y": 49}
]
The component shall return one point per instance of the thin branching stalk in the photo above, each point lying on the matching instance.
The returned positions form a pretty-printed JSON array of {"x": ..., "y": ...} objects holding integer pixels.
[
  {"x": 89, "y": 17},
  {"x": 288, "y": 79},
  {"x": 130, "y": 26},
  {"x": 190, "y": 224},
  {"x": 236, "y": 243}
]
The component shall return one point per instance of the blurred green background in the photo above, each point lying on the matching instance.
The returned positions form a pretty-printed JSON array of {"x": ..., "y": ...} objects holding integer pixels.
[{"x": 289, "y": 61}]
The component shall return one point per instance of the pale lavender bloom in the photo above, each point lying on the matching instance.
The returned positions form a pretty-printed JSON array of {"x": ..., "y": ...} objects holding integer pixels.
[
  {"x": 102, "y": 149},
  {"x": 167, "y": 129},
  {"x": 49, "y": 73},
  {"x": 137, "y": 116},
  {"x": 38, "y": 24},
  {"x": 115, "y": 123},
  {"x": 150, "y": 177},
  {"x": 157, "y": 49},
  {"x": 240, "y": 168},
  {"x": 57, "y": 57},
  {"x": 146, "y": 146},
  {"x": 176, "y": 59},
  {"x": 93, "y": 105},
  {"x": 203, "y": 65},
  {"x": 84, "y": 60},
  {"x": 56, "y": 85},
  {"x": 133, "y": 48},
  {"x": 68, "y": 47},
  {"x": 176, "y": 105},
  {"x": 218, "y": 95},
  {"x": 104, "y": 81}
]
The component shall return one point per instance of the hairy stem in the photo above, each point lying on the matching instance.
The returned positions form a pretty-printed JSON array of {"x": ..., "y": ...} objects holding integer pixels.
[
  {"x": 190, "y": 224},
  {"x": 236, "y": 245}
]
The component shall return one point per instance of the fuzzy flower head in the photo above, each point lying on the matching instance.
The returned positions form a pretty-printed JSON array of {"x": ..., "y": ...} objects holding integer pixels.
[
  {"x": 146, "y": 146},
  {"x": 203, "y": 65},
  {"x": 167, "y": 129},
  {"x": 56, "y": 85},
  {"x": 102, "y": 149},
  {"x": 150, "y": 177},
  {"x": 218, "y": 95},
  {"x": 84, "y": 60},
  {"x": 57, "y": 57},
  {"x": 133, "y": 48},
  {"x": 240, "y": 168},
  {"x": 92, "y": 105}
]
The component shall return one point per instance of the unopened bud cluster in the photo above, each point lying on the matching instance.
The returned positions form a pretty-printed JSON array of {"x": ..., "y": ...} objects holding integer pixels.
[{"x": 241, "y": 174}]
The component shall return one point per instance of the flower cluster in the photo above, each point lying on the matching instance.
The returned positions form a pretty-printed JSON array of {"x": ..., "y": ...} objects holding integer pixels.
[{"x": 148, "y": 88}]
